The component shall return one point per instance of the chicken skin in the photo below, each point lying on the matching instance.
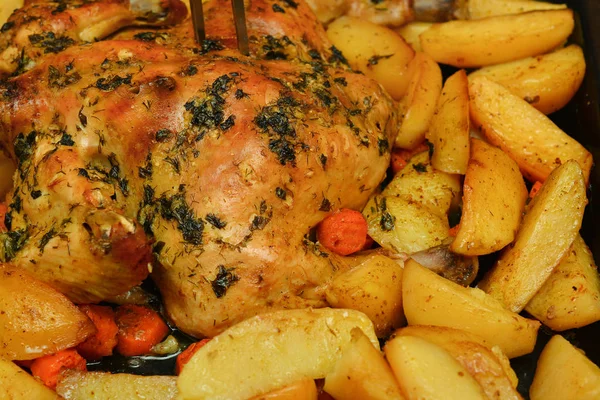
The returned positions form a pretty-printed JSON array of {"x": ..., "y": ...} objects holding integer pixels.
[{"x": 143, "y": 152}]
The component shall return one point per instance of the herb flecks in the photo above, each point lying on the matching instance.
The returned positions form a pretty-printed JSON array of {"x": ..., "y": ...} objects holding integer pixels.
[
  {"x": 223, "y": 281},
  {"x": 50, "y": 42},
  {"x": 215, "y": 221},
  {"x": 59, "y": 80},
  {"x": 113, "y": 82},
  {"x": 175, "y": 208},
  {"x": 11, "y": 242}
]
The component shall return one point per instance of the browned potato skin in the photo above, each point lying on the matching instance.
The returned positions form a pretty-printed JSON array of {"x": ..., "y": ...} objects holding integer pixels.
[
  {"x": 549, "y": 228},
  {"x": 564, "y": 372},
  {"x": 35, "y": 319},
  {"x": 547, "y": 82},
  {"x": 525, "y": 134},
  {"x": 570, "y": 298},
  {"x": 16, "y": 384},
  {"x": 494, "y": 196},
  {"x": 495, "y": 40}
]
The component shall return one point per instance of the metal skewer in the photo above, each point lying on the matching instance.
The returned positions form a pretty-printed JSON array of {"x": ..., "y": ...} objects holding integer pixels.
[{"x": 198, "y": 20}]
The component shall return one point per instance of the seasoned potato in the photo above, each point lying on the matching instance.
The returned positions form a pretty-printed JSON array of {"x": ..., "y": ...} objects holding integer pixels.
[
  {"x": 16, "y": 384},
  {"x": 450, "y": 126},
  {"x": 524, "y": 133},
  {"x": 494, "y": 195},
  {"x": 328, "y": 10},
  {"x": 373, "y": 287},
  {"x": 78, "y": 385},
  {"x": 271, "y": 351},
  {"x": 429, "y": 299},
  {"x": 476, "y": 9},
  {"x": 362, "y": 373},
  {"x": 305, "y": 389},
  {"x": 496, "y": 40},
  {"x": 375, "y": 50},
  {"x": 7, "y": 7},
  {"x": 547, "y": 82},
  {"x": 35, "y": 319},
  {"x": 563, "y": 372},
  {"x": 418, "y": 106},
  {"x": 570, "y": 298},
  {"x": 411, "y": 31},
  {"x": 548, "y": 230},
  {"x": 426, "y": 371}
]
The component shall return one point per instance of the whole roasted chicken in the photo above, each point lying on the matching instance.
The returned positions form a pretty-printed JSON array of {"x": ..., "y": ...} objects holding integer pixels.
[{"x": 140, "y": 152}]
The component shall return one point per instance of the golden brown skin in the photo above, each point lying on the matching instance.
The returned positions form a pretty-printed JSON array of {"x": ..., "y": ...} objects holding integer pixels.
[{"x": 223, "y": 163}]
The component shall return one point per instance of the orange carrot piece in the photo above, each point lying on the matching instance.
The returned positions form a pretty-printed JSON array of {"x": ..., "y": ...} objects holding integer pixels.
[
  {"x": 400, "y": 157},
  {"x": 535, "y": 189},
  {"x": 344, "y": 232},
  {"x": 185, "y": 355},
  {"x": 140, "y": 328},
  {"x": 48, "y": 368},
  {"x": 454, "y": 230},
  {"x": 3, "y": 211},
  {"x": 104, "y": 341}
]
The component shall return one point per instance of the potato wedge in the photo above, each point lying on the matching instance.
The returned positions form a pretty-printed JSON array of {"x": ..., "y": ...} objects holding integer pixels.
[
  {"x": 373, "y": 287},
  {"x": 570, "y": 298},
  {"x": 429, "y": 299},
  {"x": 495, "y": 40},
  {"x": 426, "y": 371},
  {"x": 563, "y": 372},
  {"x": 35, "y": 319},
  {"x": 78, "y": 385},
  {"x": 362, "y": 373},
  {"x": 494, "y": 196},
  {"x": 524, "y": 133},
  {"x": 16, "y": 384},
  {"x": 477, "y": 9},
  {"x": 305, "y": 389},
  {"x": 375, "y": 50},
  {"x": 7, "y": 7},
  {"x": 418, "y": 106},
  {"x": 450, "y": 126},
  {"x": 549, "y": 228},
  {"x": 271, "y": 351},
  {"x": 547, "y": 82},
  {"x": 328, "y": 10},
  {"x": 411, "y": 31}
]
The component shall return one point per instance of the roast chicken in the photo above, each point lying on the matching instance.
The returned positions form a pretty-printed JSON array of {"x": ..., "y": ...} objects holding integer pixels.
[{"x": 139, "y": 152}]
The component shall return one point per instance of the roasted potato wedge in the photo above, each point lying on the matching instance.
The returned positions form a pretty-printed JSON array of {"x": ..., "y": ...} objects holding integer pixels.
[
  {"x": 271, "y": 351},
  {"x": 477, "y": 9},
  {"x": 362, "y": 373},
  {"x": 304, "y": 389},
  {"x": 373, "y": 287},
  {"x": 570, "y": 298},
  {"x": 375, "y": 50},
  {"x": 411, "y": 31},
  {"x": 36, "y": 320},
  {"x": 494, "y": 196},
  {"x": 418, "y": 106},
  {"x": 427, "y": 371},
  {"x": 524, "y": 133},
  {"x": 450, "y": 126},
  {"x": 564, "y": 372},
  {"x": 429, "y": 299},
  {"x": 547, "y": 82},
  {"x": 495, "y": 40},
  {"x": 16, "y": 384},
  {"x": 549, "y": 228}
]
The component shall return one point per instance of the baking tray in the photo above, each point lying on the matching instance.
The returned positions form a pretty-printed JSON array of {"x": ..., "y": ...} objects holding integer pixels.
[{"x": 580, "y": 119}]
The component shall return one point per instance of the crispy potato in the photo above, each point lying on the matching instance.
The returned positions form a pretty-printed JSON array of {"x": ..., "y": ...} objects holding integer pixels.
[
  {"x": 450, "y": 126},
  {"x": 429, "y": 299},
  {"x": 16, "y": 384},
  {"x": 373, "y": 287},
  {"x": 476, "y": 9},
  {"x": 495, "y": 40},
  {"x": 570, "y": 298},
  {"x": 375, "y": 50},
  {"x": 494, "y": 196},
  {"x": 563, "y": 372},
  {"x": 411, "y": 31},
  {"x": 548, "y": 230},
  {"x": 418, "y": 106},
  {"x": 271, "y": 351},
  {"x": 547, "y": 82},
  {"x": 362, "y": 373},
  {"x": 78, "y": 385},
  {"x": 524, "y": 133},
  {"x": 35, "y": 319},
  {"x": 304, "y": 389},
  {"x": 426, "y": 371}
]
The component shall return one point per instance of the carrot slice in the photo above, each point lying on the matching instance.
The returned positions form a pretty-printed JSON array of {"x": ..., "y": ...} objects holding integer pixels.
[
  {"x": 48, "y": 368},
  {"x": 140, "y": 328},
  {"x": 400, "y": 157},
  {"x": 185, "y": 355},
  {"x": 454, "y": 230},
  {"x": 535, "y": 189},
  {"x": 104, "y": 341},
  {"x": 343, "y": 232}
]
